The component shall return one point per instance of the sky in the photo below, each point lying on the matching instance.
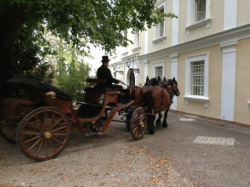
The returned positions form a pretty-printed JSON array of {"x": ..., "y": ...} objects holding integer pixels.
[{"x": 94, "y": 62}]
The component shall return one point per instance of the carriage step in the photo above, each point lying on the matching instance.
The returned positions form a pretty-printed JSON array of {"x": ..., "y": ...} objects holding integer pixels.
[{"x": 93, "y": 134}]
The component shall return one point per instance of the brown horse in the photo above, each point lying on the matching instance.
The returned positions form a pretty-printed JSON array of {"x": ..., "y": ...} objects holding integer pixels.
[
  {"x": 156, "y": 81},
  {"x": 157, "y": 99}
]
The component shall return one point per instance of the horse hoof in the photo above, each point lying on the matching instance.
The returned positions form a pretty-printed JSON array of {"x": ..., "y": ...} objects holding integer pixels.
[
  {"x": 165, "y": 125},
  {"x": 158, "y": 124},
  {"x": 151, "y": 131}
]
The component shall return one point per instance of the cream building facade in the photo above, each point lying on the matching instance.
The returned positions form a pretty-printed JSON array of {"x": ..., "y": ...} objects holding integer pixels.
[{"x": 207, "y": 49}]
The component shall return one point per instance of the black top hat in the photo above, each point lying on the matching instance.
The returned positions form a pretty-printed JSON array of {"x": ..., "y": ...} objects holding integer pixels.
[{"x": 105, "y": 59}]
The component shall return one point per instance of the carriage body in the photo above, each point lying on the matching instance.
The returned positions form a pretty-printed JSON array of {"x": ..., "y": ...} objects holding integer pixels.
[{"x": 42, "y": 123}]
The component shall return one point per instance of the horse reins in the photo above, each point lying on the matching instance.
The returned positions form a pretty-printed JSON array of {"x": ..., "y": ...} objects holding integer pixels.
[{"x": 170, "y": 89}]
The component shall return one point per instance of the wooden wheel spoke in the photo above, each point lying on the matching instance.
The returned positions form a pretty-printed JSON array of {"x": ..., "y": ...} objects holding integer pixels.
[
  {"x": 46, "y": 147},
  {"x": 31, "y": 139},
  {"x": 139, "y": 132},
  {"x": 39, "y": 148},
  {"x": 58, "y": 141},
  {"x": 59, "y": 134},
  {"x": 55, "y": 123},
  {"x": 140, "y": 116},
  {"x": 135, "y": 129},
  {"x": 136, "y": 118},
  {"x": 51, "y": 144},
  {"x": 143, "y": 118},
  {"x": 59, "y": 128},
  {"x": 34, "y": 145},
  {"x": 31, "y": 133}
]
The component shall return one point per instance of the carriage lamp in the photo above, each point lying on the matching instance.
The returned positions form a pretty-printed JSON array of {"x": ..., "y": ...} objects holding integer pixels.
[{"x": 128, "y": 64}]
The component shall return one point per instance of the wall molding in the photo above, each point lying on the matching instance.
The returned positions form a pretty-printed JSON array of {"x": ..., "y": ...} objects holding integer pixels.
[{"x": 228, "y": 36}]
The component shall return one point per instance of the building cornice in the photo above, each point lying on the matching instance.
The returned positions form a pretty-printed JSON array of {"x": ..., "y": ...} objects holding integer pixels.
[
  {"x": 133, "y": 56},
  {"x": 115, "y": 63},
  {"x": 227, "y": 36}
]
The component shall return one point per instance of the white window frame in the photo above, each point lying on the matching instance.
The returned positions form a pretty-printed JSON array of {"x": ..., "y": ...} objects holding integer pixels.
[
  {"x": 136, "y": 41},
  {"x": 157, "y": 37},
  {"x": 196, "y": 11},
  {"x": 191, "y": 16},
  {"x": 201, "y": 57},
  {"x": 159, "y": 64}
]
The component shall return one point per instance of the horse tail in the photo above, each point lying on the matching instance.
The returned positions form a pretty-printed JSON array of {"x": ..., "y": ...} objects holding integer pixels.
[{"x": 148, "y": 100}]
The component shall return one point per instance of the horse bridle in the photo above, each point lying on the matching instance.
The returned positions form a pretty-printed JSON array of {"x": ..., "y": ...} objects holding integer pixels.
[{"x": 170, "y": 88}]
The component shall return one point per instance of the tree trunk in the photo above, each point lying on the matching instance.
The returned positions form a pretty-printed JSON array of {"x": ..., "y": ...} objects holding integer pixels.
[{"x": 11, "y": 20}]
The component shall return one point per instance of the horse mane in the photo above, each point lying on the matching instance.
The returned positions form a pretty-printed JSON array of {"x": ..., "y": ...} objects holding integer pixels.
[{"x": 153, "y": 81}]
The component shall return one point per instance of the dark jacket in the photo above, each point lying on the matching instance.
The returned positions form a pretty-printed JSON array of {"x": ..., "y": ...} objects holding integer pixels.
[{"x": 104, "y": 73}]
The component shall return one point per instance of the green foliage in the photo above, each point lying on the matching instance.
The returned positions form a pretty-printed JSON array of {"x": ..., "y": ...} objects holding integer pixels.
[
  {"x": 78, "y": 22},
  {"x": 72, "y": 78},
  {"x": 71, "y": 71},
  {"x": 100, "y": 22},
  {"x": 45, "y": 71}
]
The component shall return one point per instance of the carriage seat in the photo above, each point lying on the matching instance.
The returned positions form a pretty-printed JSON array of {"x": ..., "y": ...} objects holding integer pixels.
[
  {"x": 100, "y": 84},
  {"x": 88, "y": 110},
  {"x": 101, "y": 89}
]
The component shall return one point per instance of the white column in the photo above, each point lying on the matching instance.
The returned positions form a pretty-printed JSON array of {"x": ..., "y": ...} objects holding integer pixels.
[
  {"x": 228, "y": 81},
  {"x": 146, "y": 42},
  {"x": 174, "y": 73},
  {"x": 145, "y": 71},
  {"x": 230, "y": 14},
  {"x": 175, "y": 23}
]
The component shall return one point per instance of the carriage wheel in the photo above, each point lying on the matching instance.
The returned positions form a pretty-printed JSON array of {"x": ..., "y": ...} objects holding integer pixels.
[
  {"x": 43, "y": 133},
  {"x": 138, "y": 124},
  {"x": 8, "y": 128}
]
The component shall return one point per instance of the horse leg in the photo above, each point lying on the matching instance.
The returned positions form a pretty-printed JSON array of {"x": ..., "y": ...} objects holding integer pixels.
[
  {"x": 158, "y": 121},
  {"x": 150, "y": 123},
  {"x": 164, "y": 123},
  {"x": 149, "y": 103}
]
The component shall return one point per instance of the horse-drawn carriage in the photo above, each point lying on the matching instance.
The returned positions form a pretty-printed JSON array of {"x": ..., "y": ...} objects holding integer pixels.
[{"x": 41, "y": 123}]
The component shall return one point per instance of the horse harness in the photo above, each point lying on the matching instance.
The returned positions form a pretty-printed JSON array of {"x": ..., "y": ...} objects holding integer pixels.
[{"x": 170, "y": 89}]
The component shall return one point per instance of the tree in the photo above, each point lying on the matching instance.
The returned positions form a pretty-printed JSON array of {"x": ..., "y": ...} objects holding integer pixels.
[
  {"x": 68, "y": 67},
  {"x": 99, "y": 22},
  {"x": 71, "y": 74}
]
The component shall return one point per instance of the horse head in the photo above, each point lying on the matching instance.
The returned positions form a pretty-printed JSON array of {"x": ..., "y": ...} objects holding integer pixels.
[
  {"x": 172, "y": 85},
  {"x": 148, "y": 82},
  {"x": 175, "y": 87}
]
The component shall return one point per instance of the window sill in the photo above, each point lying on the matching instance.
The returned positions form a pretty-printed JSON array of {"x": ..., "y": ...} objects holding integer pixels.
[
  {"x": 124, "y": 54},
  {"x": 161, "y": 39},
  {"x": 136, "y": 49},
  {"x": 206, "y": 22},
  {"x": 197, "y": 99}
]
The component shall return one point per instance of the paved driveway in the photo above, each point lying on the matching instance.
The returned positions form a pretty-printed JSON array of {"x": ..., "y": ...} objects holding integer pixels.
[
  {"x": 190, "y": 152},
  {"x": 204, "y": 151}
]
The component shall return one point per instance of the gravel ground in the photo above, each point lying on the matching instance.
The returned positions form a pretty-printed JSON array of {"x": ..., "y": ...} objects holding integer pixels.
[{"x": 109, "y": 160}]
